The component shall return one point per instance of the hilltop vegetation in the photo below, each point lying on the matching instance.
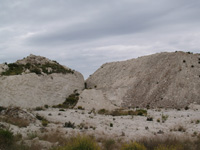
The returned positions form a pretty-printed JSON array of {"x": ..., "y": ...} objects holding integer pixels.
[{"x": 47, "y": 68}]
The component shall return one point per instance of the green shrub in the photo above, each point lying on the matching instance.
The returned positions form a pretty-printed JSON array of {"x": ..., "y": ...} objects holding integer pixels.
[
  {"x": 121, "y": 112},
  {"x": 69, "y": 125},
  {"x": 2, "y": 108},
  {"x": 133, "y": 146},
  {"x": 39, "y": 108},
  {"x": 16, "y": 69},
  {"x": 80, "y": 107},
  {"x": 109, "y": 144},
  {"x": 45, "y": 122},
  {"x": 141, "y": 112},
  {"x": 61, "y": 109},
  {"x": 80, "y": 143},
  {"x": 46, "y": 106},
  {"x": 111, "y": 124},
  {"x": 186, "y": 108},
  {"x": 6, "y": 138},
  {"x": 164, "y": 118},
  {"x": 171, "y": 147},
  {"x": 149, "y": 118},
  {"x": 103, "y": 111},
  {"x": 36, "y": 71},
  {"x": 39, "y": 117},
  {"x": 55, "y": 68},
  {"x": 181, "y": 129},
  {"x": 70, "y": 101},
  {"x": 197, "y": 121}
]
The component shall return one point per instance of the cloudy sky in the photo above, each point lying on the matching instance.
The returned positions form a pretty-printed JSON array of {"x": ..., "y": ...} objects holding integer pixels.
[{"x": 84, "y": 34}]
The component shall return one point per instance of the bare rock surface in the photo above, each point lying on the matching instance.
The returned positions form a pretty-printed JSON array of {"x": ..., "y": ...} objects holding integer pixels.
[
  {"x": 164, "y": 122},
  {"x": 160, "y": 80},
  {"x": 92, "y": 98},
  {"x": 29, "y": 90}
]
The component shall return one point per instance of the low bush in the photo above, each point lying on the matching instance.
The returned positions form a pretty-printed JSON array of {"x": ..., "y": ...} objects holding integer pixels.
[
  {"x": 70, "y": 101},
  {"x": 141, "y": 112},
  {"x": 20, "y": 122},
  {"x": 181, "y": 129},
  {"x": 54, "y": 137},
  {"x": 171, "y": 147},
  {"x": 45, "y": 123},
  {"x": 80, "y": 143},
  {"x": 43, "y": 120},
  {"x": 6, "y": 139},
  {"x": 16, "y": 69},
  {"x": 46, "y": 106},
  {"x": 61, "y": 109},
  {"x": 103, "y": 111},
  {"x": 2, "y": 108},
  {"x": 164, "y": 118},
  {"x": 80, "y": 107},
  {"x": 186, "y": 108},
  {"x": 133, "y": 146},
  {"x": 149, "y": 118},
  {"x": 111, "y": 124},
  {"x": 170, "y": 143},
  {"x": 36, "y": 71},
  {"x": 55, "y": 68},
  {"x": 109, "y": 144},
  {"x": 39, "y": 109},
  {"x": 69, "y": 125},
  {"x": 39, "y": 117},
  {"x": 121, "y": 112}
]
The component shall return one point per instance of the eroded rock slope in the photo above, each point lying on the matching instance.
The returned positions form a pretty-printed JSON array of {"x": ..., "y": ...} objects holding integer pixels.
[
  {"x": 159, "y": 80},
  {"x": 37, "y": 81}
]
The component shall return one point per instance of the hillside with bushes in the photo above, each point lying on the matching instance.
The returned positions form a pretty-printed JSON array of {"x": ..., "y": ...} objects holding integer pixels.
[{"x": 37, "y": 81}]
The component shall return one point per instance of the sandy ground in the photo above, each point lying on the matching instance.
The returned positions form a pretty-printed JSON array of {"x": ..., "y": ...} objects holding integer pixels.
[{"x": 179, "y": 123}]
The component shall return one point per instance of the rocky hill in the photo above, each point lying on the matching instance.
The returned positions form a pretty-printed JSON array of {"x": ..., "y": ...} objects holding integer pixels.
[
  {"x": 37, "y": 81},
  {"x": 160, "y": 80}
]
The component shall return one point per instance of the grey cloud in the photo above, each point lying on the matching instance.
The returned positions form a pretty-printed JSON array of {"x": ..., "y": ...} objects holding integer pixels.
[
  {"x": 119, "y": 21},
  {"x": 85, "y": 34}
]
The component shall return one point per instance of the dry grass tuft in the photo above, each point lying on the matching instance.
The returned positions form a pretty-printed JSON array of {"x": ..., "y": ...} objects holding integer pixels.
[{"x": 20, "y": 122}]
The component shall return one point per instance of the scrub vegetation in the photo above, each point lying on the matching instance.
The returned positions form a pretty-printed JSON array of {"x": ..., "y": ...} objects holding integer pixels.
[{"x": 47, "y": 68}]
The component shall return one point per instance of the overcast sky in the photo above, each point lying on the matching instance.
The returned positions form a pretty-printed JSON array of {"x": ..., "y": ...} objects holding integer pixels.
[{"x": 84, "y": 34}]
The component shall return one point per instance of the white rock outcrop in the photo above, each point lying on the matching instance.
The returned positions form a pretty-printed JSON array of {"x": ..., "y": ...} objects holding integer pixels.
[
  {"x": 94, "y": 99},
  {"x": 160, "y": 80},
  {"x": 29, "y": 90}
]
